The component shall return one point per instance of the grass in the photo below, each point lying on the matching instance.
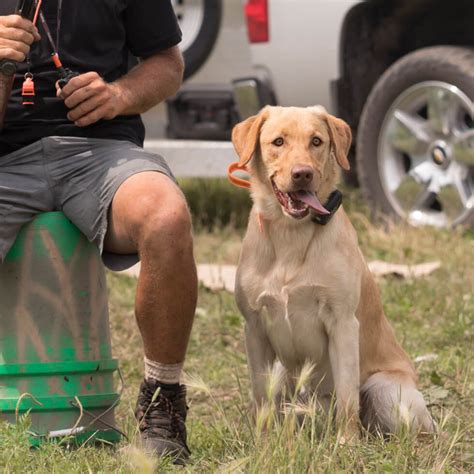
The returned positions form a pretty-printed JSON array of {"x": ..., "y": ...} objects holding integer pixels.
[{"x": 431, "y": 316}]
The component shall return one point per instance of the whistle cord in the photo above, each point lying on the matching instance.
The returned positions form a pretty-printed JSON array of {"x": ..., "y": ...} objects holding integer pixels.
[
  {"x": 65, "y": 74},
  {"x": 48, "y": 32},
  {"x": 58, "y": 23}
]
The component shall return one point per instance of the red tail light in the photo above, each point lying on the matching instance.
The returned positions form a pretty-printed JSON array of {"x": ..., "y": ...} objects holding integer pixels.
[{"x": 256, "y": 13}]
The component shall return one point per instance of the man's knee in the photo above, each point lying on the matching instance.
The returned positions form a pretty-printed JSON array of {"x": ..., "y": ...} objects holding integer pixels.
[
  {"x": 149, "y": 211},
  {"x": 166, "y": 225}
]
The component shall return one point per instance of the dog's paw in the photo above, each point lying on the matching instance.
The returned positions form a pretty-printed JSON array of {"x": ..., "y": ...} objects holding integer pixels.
[{"x": 349, "y": 434}]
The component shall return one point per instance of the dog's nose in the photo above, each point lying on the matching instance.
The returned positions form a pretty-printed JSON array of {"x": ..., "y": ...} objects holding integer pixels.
[{"x": 302, "y": 175}]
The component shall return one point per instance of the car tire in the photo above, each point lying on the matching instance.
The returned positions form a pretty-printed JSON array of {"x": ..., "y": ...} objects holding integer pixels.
[
  {"x": 200, "y": 22},
  {"x": 425, "y": 71}
]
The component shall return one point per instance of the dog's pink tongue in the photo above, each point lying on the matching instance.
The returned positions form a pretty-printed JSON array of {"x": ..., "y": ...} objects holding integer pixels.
[{"x": 312, "y": 201}]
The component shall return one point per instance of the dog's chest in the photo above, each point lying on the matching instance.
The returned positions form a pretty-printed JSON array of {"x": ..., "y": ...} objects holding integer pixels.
[
  {"x": 294, "y": 320},
  {"x": 297, "y": 285}
]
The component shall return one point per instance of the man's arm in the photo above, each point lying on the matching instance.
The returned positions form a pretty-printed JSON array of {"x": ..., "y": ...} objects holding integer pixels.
[{"x": 154, "y": 79}]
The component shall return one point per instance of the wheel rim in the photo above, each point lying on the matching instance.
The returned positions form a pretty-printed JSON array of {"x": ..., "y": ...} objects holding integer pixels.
[
  {"x": 190, "y": 14},
  {"x": 426, "y": 154}
]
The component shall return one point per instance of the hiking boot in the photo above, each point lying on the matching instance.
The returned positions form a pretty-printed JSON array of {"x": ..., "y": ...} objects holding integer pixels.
[{"x": 161, "y": 414}]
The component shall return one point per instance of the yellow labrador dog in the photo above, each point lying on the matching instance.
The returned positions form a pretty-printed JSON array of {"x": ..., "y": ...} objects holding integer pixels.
[{"x": 304, "y": 288}]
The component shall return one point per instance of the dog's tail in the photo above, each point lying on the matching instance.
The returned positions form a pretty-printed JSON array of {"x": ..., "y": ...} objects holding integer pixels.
[{"x": 390, "y": 402}]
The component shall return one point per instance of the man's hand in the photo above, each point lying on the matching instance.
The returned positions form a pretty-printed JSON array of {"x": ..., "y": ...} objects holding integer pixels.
[
  {"x": 16, "y": 36},
  {"x": 91, "y": 99},
  {"x": 154, "y": 79}
]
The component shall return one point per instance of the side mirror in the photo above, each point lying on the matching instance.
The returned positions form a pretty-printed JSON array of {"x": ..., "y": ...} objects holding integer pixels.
[{"x": 251, "y": 95}]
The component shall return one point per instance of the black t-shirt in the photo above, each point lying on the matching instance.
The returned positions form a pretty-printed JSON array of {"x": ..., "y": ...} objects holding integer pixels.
[{"x": 92, "y": 35}]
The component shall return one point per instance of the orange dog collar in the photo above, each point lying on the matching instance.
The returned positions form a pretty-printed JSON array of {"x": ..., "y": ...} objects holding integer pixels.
[{"x": 239, "y": 182}]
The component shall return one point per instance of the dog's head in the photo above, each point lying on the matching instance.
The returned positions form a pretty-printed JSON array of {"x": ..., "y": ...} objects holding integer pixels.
[{"x": 294, "y": 155}]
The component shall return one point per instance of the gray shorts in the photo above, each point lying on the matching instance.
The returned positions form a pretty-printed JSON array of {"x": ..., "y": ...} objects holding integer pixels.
[{"x": 78, "y": 176}]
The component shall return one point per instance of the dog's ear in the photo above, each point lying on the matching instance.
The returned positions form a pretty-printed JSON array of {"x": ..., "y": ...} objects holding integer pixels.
[
  {"x": 245, "y": 136},
  {"x": 341, "y": 138}
]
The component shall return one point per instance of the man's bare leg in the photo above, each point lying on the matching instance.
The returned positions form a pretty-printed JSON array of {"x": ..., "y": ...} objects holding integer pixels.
[{"x": 149, "y": 215}]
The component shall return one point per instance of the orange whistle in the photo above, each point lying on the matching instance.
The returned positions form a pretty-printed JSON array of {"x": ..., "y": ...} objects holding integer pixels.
[{"x": 28, "y": 91}]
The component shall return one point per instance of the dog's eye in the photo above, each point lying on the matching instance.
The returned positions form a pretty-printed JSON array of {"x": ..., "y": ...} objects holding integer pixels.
[
  {"x": 278, "y": 141},
  {"x": 316, "y": 141}
]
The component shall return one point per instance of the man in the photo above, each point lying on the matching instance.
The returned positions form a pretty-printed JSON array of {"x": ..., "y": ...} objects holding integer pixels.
[{"x": 79, "y": 150}]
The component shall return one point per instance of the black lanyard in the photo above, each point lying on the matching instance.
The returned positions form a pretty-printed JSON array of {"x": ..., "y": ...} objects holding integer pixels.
[{"x": 65, "y": 74}]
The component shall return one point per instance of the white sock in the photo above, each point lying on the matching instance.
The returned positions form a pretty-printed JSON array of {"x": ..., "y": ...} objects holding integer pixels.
[{"x": 164, "y": 373}]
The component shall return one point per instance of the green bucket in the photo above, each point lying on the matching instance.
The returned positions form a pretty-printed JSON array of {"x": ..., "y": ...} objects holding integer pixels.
[{"x": 55, "y": 352}]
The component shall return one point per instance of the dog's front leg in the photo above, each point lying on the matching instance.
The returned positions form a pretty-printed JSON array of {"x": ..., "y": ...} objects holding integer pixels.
[
  {"x": 261, "y": 357},
  {"x": 344, "y": 357}
]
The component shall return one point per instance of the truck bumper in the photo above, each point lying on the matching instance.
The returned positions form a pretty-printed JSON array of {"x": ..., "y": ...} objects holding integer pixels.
[{"x": 195, "y": 158}]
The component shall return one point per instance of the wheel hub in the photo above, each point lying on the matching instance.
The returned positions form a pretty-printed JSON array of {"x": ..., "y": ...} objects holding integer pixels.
[
  {"x": 425, "y": 150},
  {"x": 439, "y": 154}
]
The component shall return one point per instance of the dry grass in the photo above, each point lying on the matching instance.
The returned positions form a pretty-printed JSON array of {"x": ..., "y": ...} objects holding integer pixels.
[{"x": 432, "y": 315}]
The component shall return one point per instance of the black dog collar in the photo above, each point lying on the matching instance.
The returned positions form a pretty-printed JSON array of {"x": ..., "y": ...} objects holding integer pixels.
[{"x": 332, "y": 205}]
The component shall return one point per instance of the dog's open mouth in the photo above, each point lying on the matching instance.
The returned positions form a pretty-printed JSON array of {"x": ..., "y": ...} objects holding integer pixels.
[{"x": 297, "y": 204}]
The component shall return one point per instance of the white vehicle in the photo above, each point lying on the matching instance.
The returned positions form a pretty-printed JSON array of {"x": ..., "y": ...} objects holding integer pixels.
[
  {"x": 400, "y": 72},
  {"x": 200, "y": 21}
]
